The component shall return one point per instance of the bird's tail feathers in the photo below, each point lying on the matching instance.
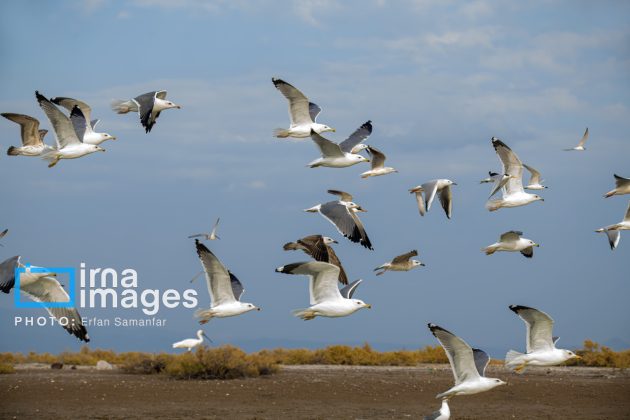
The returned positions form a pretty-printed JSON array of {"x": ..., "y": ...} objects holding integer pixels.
[
  {"x": 204, "y": 315},
  {"x": 493, "y": 205},
  {"x": 489, "y": 250},
  {"x": 305, "y": 314},
  {"x": 12, "y": 151},
  {"x": 282, "y": 133},
  {"x": 513, "y": 359},
  {"x": 122, "y": 107}
]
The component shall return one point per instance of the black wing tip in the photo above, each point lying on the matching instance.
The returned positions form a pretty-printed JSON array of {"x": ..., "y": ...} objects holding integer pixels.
[
  {"x": 200, "y": 247},
  {"x": 498, "y": 143},
  {"x": 367, "y": 125},
  {"x": 277, "y": 81},
  {"x": 40, "y": 97},
  {"x": 434, "y": 328},
  {"x": 517, "y": 308},
  {"x": 288, "y": 268}
]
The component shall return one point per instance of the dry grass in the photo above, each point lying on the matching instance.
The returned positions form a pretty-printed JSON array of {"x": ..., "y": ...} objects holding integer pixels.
[{"x": 595, "y": 355}]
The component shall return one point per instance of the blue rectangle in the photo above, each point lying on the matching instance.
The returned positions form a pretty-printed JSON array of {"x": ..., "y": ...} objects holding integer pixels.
[{"x": 71, "y": 292}]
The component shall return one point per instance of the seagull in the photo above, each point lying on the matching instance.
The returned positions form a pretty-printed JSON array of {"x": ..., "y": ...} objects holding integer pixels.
[
  {"x": 3, "y": 234},
  {"x": 343, "y": 215},
  {"x": 468, "y": 365},
  {"x": 400, "y": 263},
  {"x": 622, "y": 186},
  {"x": 302, "y": 113},
  {"x": 318, "y": 247},
  {"x": 83, "y": 126},
  {"x": 513, "y": 193},
  {"x": 580, "y": 147},
  {"x": 492, "y": 177},
  {"x": 512, "y": 242},
  {"x": 378, "y": 164},
  {"x": 148, "y": 106},
  {"x": 345, "y": 196},
  {"x": 69, "y": 146},
  {"x": 541, "y": 346},
  {"x": 43, "y": 287},
  {"x": 444, "y": 413},
  {"x": 440, "y": 186},
  {"x": 499, "y": 183},
  {"x": 326, "y": 299},
  {"x": 224, "y": 288},
  {"x": 191, "y": 343},
  {"x": 32, "y": 137},
  {"x": 333, "y": 156},
  {"x": 613, "y": 231},
  {"x": 208, "y": 236},
  {"x": 535, "y": 183}
]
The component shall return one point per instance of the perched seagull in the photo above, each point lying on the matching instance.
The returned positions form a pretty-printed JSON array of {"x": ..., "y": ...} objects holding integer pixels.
[
  {"x": 492, "y": 177},
  {"x": 3, "y": 234},
  {"x": 444, "y": 413},
  {"x": 191, "y": 343},
  {"x": 344, "y": 196},
  {"x": 148, "y": 106},
  {"x": 302, "y": 113},
  {"x": 513, "y": 193},
  {"x": 326, "y": 299},
  {"x": 82, "y": 123},
  {"x": 512, "y": 242},
  {"x": 224, "y": 288},
  {"x": 378, "y": 164},
  {"x": 333, "y": 155},
  {"x": 32, "y": 137},
  {"x": 535, "y": 183},
  {"x": 468, "y": 365},
  {"x": 580, "y": 147},
  {"x": 343, "y": 215},
  {"x": 43, "y": 287},
  {"x": 208, "y": 236},
  {"x": 69, "y": 146},
  {"x": 613, "y": 231},
  {"x": 499, "y": 183},
  {"x": 430, "y": 189},
  {"x": 541, "y": 346},
  {"x": 318, "y": 247},
  {"x": 622, "y": 186},
  {"x": 400, "y": 263}
]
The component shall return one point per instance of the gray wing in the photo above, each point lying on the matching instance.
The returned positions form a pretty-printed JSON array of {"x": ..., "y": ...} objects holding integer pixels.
[
  {"x": 621, "y": 181},
  {"x": 314, "y": 110},
  {"x": 420, "y": 202},
  {"x": 79, "y": 123},
  {"x": 298, "y": 103},
  {"x": 359, "y": 135},
  {"x": 237, "y": 286},
  {"x": 7, "y": 273},
  {"x": 539, "y": 327},
  {"x": 626, "y": 217},
  {"x": 314, "y": 246},
  {"x": 323, "y": 279},
  {"x": 429, "y": 188},
  {"x": 499, "y": 183},
  {"x": 528, "y": 252},
  {"x": 64, "y": 131},
  {"x": 349, "y": 290},
  {"x": 446, "y": 199},
  {"x": 94, "y": 123},
  {"x": 613, "y": 238},
  {"x": 70, "y": 103},
  {"x": 343, "y": 196},
  {"x": 377, "y": 157},
  {"x": 145, "y": 104},
  {"x": 584, "y": 138},
  {"x": 481, "y": 361},
  {"x": 29, "y": 128},
  {"x": 511, "y": 165},
  {"x": 405, "y": 257},
  {"x": 217, "y": 276},
  {"x": 459, "y": 354},
  {"x": 511, "y": 236},
  {"x": 3, "y": 233},
  {"x": 160, "y": 94},
  {"x": 326, "y": 147},
  {"x": 535, "y": 179},
  {"x": 346, "y": 222},
  {"x": 214, "y": 228}
]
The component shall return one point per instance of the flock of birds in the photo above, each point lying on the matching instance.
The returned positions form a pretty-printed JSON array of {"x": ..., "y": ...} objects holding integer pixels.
[{"x": 75, "y": 137}]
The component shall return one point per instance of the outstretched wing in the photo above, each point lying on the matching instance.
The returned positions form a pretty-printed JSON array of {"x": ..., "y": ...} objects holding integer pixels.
[
  {"x": 29, "y": 128},
  {"x": 343, "y": 196},
  {"x": 349, "y": 290},
  {"x": 583, "y": 139},
  {"x": 299, "y": 111},
  {"x": 218, "y": 278},
  {"x": 359, "y": 135},
  {"x": 405, "y": 257},
  {"x": 459, "y": 354},
  {"x": 377, "y": 157},
  {"x": 326, "y": 147},
  {"x": 511, "y": 165},
  {"x": 7, "y": 273},
  {"x": 314, "y": 110},
  {"x": 481, "y": 361},
  {"x": 539, "y": 327}
]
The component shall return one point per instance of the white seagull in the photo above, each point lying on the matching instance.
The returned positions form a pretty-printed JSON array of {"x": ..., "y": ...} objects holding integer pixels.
[
  {"x": 148, "y": 106},
  {"x": 343, "y": 215},
  {"x": 83, "y": 125},
  {"x": 535, "y": 181},
  {"x": 541, "y": 345},
  {"x": 208, "y": 236},
  {"x": 499, "y": 183},
  {"x": 580, "y": 147},
  {"x": 512, "y": 242},
  {"x": 343, "y": 154},
  {"x": 513, "y": 194},
  {"x": 378, "y": 164},
  {"x": 622, "y": 186},
  {"x": 69, "y": 145},
  {"x": 43, "y": 287},
  {"x": 301, "y": 112},
  {"x": 468, "y": 365},
  {"x": 32, "y": 137},
  {"x": 325, "y": 297},
  {"x": 224, "y": 288},
  {"x": 613, "y": 231},
  {"x": 442, "y": 187},
  {"x": 400, "y": 263},
  {"x": 444, "y": 413},
  {"x": 191, "y": 343}
]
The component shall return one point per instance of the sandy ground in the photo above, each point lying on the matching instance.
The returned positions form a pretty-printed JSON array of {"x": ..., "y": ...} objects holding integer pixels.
[{"x": 314, "y": 392}]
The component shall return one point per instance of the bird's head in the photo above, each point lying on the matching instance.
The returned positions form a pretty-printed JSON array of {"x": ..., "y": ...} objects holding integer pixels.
[
  {"x": 328, "y": 240},
  {"x": 251, "y": 307},
  {"x": 106, "y": 136},
  {"x": 170, "y": 104},
  {"x": 498, "y": 382},
  {"x": 95, "y": 148},
  {"x": 360, "y": 304},
  {"x": 322, "y": 128},
  {"x": 570, "y": 355},
  {"x": 537, "y": 197},
  {"x": 416, "y": 263}
]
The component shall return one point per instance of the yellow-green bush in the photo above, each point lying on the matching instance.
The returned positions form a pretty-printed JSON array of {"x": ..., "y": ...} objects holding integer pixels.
[
  {"x": 595, "y": 355},
  {"x": 6, "y": 368}
]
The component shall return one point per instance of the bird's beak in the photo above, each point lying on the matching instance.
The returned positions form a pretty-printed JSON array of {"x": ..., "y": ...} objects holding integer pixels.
[
  {"x": 454, "y": 183},
  {"x": 361, "y": 209},
  {"x": 537, "y": 245},
  {"x": 423, "y": 264},
  {"x": 113, "y": 138},
  {"x": 578, "y": 357},
  {"x": 178, "y": 106},
  {"x": 367, "y": 305},
  {"x": 542, "y": 199},
  {"x": 52, "y": 274},
  {"x": 258, "y": 309},
  {"x": 333, "y": 130},
  {"x": 334, "y": 242}
]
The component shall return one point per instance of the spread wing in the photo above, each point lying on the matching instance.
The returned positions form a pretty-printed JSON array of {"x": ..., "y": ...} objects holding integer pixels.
[
  {"x": 429, "y": 188},
  {"x": 405, "y": 257},
  {"x": 7, "y": 273},
  {"x": 314, "y": 110},
  {"x": 420, "y": 202},
  {"x": 64, "y": 131},
  {"x": 237, "y": 286},
  {"x": 323, "y": 279},
  {"x": 613, "y": 238},
  {"x": 528, "y": 252},
  {"x": 349, "y": 290},
  {"x": 446, "y": 199},
  {"x": 511, "y": 236},
  {"x": 314, "y": 246},
  {"x": 79, "y": 123},
  {"x": 29, "y": 128},
  {"x": 511, "y": 165},
  {"x": 626, "y": 217},
  {"x": 70, "y": 103},
  {"x": 377, "y": 157},
  {"x": 343, "y": 196},
  {"x": 346, "y": 222},
  {"x": 359, "y": 135},
  {"x": 481, "y": 361},
  {"x": 299, "y": 111},
  {"x": 535, "y": 179},
  {"x": 539, "y": 327},
  {"x": 217, "y": 277},
  {"x": 459, "y": 353},
  {"x": 145, "y": 104},
  {"x": 583, "y": 139},
  {"x": 621, "y": 181},
  {"x": 326, "y": 147}
]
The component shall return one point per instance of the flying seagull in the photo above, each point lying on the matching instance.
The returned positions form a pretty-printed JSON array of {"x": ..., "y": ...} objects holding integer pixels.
[
  {"x": 378, "y": 164},
  {"x": 442, "y": 187},
  {"x": 301, "y": 112},
  {"x": 492, "y": 177},
  {"x": 580, "y": 147},
  {"x": 342, "y": 214},
  {"x": 613, "y": 231},
  {"x": 512, "y": 242},
  {"x": 318, "y": 247},
  {"x": 345, "y": 196},
  {"x": 191, "y": 343},
  {"x": 499, "y": 183},
  {"x": 69, "y": 146},
  {"x": 43, "y": 287},
  {"x": 444, "y": 413},
  {"x": 325, "y": 297},
  {"x": 622, "y": 186},
  {"x": 535, "y": 183},
  {"x": 224, "y": 288},
  {"x": 32, "y": 137},
  {"x": 541, "y": 345},
  {"x": 208, "y": 236},
  {"x": 3, "y": 234},
  {"x": 332, "y": 154},
  {"x": 82, "y": 123},
  {"x": 148, "y": 106},
  {"x": 468, "y": 365},
  {"x": 400, "y": 263},
  {"x": 513, "y": 194}
]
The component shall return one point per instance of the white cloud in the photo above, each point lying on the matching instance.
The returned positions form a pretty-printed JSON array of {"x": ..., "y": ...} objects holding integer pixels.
[{"x": 309, "y": 10}]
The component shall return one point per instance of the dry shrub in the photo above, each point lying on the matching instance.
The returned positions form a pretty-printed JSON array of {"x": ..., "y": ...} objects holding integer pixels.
[
  {"x": 595, "y": 355},
  {"x": 6, "y": 368}
]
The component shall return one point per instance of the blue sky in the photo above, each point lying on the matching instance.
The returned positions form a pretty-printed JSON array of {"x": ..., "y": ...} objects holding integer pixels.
[{"x": 437, "y": 78}]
